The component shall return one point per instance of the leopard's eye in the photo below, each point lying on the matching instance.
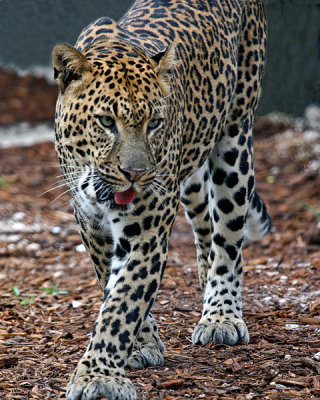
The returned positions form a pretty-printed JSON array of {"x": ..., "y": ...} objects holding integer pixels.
[
  {"x": 154, "y": 123},
  {"x": 107, "y": 121}
]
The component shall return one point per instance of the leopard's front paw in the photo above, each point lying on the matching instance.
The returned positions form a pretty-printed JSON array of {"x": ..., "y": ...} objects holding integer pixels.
[
  {"x": 224, "y": 331},
  {"x": 93, "y": 387},
  {"x": 148, "y": 355},
  {"x": 148, "y": 349}
]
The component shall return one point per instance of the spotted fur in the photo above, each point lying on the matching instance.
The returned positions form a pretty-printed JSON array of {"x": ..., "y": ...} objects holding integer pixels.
[{"x": 153, "y": 109}]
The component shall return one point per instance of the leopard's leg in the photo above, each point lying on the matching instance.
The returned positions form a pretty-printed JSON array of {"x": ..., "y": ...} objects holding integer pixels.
[
  {"x": 140, "y": 248},
  {"x": 258, "y": 221},
  {"x": 229, "y": 191},
  {"x": 221, "y": 189},
  {"x": 231, "y": 198},
  {"x": 194, "y": 197},
  {"x": 148, "y": 348}
]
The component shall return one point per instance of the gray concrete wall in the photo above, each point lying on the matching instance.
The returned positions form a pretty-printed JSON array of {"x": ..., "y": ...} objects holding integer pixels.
[
  {"x": 292, "y": 78},
  {"x": 29, "y": 29}
]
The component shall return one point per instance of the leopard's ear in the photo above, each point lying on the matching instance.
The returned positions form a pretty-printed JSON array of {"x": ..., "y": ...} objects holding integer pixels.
[
  {"x": 69, "y": 65},
  {"x": 165, "y": 61}
]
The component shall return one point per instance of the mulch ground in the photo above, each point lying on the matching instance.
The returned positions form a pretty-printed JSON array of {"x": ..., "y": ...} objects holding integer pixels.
[{"x": 49, "y": 296}]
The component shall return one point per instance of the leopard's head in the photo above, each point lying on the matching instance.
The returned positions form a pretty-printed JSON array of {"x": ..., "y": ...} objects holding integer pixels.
[{"x": 112, "y": 118}]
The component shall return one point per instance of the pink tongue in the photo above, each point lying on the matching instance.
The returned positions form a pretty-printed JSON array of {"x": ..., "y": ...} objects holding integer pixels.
[{"x": 124, "y": 197}]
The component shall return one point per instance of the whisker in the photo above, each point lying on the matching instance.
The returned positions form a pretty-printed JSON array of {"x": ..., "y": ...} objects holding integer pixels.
[
  {"x": 67, "y": 176},
  {"x": 168, "y": 95},
  {"x": 53, "y": 201},
  {"x": 64, "y": 144},
  {"x": 164, "y": 158},
  {"x": 58, "y": 186},
  {"x": 152, "y": 190},
  {"x": 164, "y": 175},
  {"x": 161, "y": 188},
  {"x": 54, "y": 188},
  {"x": 66, "y": 202},
  {"x": 70, "y": 180}
]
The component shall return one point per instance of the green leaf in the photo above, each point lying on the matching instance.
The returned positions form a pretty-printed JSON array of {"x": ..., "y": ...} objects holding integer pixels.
[
  {"x": 3, "y": 181},
  {"x": 54, "y": 291},
  {"x": 311, "y": 209},
  {"x": 16, "y": 291},
  {"x": 26, "y": 301}
]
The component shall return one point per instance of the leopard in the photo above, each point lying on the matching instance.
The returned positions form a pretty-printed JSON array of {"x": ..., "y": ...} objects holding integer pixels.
[{"x": 154, "y": 111}]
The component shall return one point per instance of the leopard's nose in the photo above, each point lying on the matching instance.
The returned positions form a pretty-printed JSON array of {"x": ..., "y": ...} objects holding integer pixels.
[{"x": 133, "y": 174}]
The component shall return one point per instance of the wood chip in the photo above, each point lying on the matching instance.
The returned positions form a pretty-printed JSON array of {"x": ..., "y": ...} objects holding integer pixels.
[
  {"x": 291, "y": 382},
  {"x": 309, "y": 320},
  {"x": 174, "y": 383}
]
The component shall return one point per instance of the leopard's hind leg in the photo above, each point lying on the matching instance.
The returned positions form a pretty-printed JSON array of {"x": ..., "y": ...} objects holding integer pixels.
[
  {"x": 258, "y": 221},
  {"x": 220, "y": 200},
  {"x": 216, "y": 207}
]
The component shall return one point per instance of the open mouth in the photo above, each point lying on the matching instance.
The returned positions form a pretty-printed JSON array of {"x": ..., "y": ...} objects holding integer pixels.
[
  {"x": 105, "y": 193},
  {"x": 125, "y": 197}
]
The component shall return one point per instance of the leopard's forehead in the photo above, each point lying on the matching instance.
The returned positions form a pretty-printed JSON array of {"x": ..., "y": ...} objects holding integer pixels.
[{"x": 123, "y": 84}]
